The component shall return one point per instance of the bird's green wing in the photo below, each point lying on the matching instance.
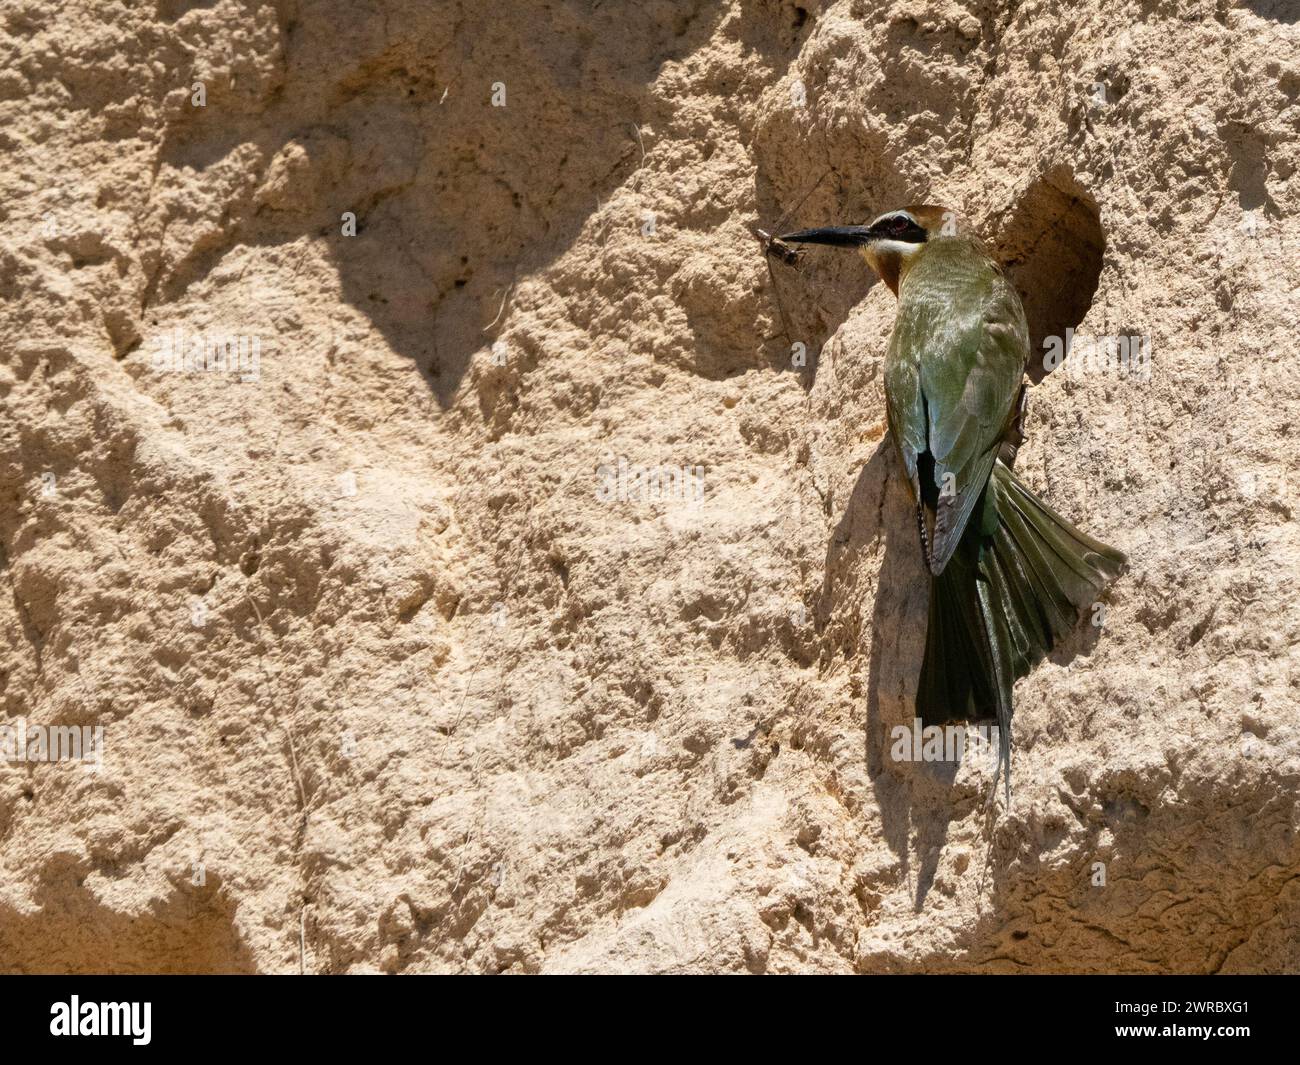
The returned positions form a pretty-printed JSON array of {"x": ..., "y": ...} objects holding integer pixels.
[{"x": 954, "y": 370}]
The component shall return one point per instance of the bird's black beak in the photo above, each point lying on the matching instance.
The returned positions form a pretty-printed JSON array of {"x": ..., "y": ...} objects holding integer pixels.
[{"x": 837, "y": 236}]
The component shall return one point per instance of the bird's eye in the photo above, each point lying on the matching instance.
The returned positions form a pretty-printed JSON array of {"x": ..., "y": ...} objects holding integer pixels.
[{"x": 898, "y": 226}]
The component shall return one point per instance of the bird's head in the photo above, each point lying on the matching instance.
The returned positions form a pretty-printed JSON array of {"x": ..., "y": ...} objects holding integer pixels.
[{"x": 892, "y": 242}]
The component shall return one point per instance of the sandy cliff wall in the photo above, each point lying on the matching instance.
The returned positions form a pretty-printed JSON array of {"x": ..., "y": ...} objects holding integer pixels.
[{"x": 392, "y": 673}]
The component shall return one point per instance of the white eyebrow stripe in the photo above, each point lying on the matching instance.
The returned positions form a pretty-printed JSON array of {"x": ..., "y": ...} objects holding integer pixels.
[{"x": 895, "y": 214}]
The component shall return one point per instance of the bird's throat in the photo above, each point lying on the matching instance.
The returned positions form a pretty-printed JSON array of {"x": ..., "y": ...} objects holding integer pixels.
[{"x": 891, "y": 259}]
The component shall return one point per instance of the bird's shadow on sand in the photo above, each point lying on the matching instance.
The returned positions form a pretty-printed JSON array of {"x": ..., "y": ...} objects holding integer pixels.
[{"x": 914, "y": 799}]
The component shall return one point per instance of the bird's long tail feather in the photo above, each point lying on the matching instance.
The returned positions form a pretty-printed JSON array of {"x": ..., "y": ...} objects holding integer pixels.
[{"x": 1017, "y": 584}]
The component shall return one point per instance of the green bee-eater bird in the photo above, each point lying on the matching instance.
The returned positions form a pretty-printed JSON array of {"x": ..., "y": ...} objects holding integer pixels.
[{"x": 1009, "y": 577}]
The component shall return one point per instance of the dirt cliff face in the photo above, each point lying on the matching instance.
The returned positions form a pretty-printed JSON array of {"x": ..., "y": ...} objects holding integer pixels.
[{"x": 476, "y": 562}]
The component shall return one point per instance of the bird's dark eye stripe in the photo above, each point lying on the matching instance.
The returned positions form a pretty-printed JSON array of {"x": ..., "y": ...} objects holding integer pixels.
[{"x": 900, "y": 227}]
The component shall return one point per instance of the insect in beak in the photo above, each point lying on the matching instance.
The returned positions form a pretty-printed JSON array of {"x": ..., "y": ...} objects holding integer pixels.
[{"x": 776, "y": 248}]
